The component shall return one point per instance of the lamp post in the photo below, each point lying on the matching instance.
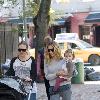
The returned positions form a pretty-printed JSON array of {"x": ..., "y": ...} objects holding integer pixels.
[{"x": 24, "y": 22}]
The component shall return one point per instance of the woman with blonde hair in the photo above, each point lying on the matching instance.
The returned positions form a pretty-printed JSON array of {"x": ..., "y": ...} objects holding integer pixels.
[
  {"x": 53, "y": 69},
  {"x": 40, "y": 65}
]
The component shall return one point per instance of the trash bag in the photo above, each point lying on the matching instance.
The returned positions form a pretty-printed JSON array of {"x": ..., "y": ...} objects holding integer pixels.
[
  {"x": 87, "y": 71},
  {"x": 94, "y": 76},
  {"x": 11, "y": 89}
]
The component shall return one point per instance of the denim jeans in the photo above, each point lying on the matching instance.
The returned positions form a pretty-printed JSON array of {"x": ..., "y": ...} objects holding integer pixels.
[
  {"x": 61, "y": 89},
  {"x": 66, "y": 95},
  {"x": 64, "y": 92},
  {"x": 32, "y": 96}
]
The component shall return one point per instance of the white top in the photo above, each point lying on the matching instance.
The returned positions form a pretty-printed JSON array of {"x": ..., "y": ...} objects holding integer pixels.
[
  {"x": 51, "y": 70},
  {"x": 22, "y": 68}
]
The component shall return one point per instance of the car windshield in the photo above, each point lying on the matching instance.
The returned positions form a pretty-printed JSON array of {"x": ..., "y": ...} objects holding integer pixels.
[{"x": 84, "y": 44}]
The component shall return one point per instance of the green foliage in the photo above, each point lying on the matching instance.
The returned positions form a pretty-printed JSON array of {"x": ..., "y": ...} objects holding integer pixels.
[
  {"x": 20, "y": 30},
  {"x": 13, "y": 1},
  {"x": 55, "y": 15},
  {"x": 1, "y": 1},
  {"x": 14, "y": 30},
  {"x": 31, "y": 8},
  {"x": 37, "y": 2}
]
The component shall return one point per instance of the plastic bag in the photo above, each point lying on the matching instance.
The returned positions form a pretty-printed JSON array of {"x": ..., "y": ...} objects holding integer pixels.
[{"x": 33, "y": 92}]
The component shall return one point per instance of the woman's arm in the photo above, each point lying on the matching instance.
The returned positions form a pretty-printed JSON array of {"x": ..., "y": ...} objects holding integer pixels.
[
  {"x": 11, "y": 71},
  {"x": 67, "y": 70},
  {"x": 48, "y": 75}
]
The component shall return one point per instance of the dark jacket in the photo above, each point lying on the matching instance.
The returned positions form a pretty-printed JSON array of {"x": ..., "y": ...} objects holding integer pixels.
[{"x": 33, "y": 72}]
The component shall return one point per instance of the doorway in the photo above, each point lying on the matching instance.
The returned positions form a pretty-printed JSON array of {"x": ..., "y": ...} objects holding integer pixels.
[{"x": 97, "y": 35}]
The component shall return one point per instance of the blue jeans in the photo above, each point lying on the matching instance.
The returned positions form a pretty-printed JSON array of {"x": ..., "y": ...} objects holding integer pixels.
[
  {"x": 63, "y": 91},
  {"x": 66, "y": 95},
  {"x": 32, "y": 96}
]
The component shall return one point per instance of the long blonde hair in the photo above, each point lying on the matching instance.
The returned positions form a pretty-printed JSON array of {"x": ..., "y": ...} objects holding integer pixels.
[{"x": 57, "y": 52}]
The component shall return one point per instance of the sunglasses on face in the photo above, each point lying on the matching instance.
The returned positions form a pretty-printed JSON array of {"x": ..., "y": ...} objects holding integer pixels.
[
  {"x": 51, "y": 50},
  {"x": 23, "y": 50}
]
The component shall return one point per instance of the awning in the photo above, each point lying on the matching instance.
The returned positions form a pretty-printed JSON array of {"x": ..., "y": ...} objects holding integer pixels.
[
  {"x": 59, "y": 21},
  {"x": 62, "y": 19},
  {"x": 20, "y": 20},
  {"x": 93, "y": 17},
  {"x": 3, "y": 20}
]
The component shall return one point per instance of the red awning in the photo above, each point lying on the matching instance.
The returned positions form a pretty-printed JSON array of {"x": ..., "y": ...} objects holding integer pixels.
[{"x": 3, "y": 20}]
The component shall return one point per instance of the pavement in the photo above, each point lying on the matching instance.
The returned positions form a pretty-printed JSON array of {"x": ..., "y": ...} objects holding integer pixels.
[{"x": 90, "y": 90}]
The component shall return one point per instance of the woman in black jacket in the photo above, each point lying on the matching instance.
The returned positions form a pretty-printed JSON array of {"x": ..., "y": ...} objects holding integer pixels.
[{"x": 23, "y": 66}]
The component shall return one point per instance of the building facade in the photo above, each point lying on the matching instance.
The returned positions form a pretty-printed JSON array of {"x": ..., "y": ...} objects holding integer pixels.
[{"x": 87, "y": 29}]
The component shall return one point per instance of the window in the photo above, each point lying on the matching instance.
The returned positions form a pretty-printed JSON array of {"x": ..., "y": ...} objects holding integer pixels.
[
  {"x": 84, "y": 33},
  {"x": 73, "y": 46},
  {"x": 61, "y": 45},
  {"x": 63, "y": 30}
]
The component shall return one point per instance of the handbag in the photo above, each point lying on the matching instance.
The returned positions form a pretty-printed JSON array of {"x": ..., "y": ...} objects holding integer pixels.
[{"x": 61, "y": 89}]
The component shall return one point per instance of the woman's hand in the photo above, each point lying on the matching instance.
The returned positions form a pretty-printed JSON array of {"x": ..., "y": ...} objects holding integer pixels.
[
  {"x": 68, "y": 60},
  {"x": 61, "y": 73},
  {"x": 27, "y": 79}
]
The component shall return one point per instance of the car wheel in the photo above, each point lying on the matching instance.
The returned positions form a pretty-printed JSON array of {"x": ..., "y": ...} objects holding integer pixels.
[{"x": 94, "y": 60}]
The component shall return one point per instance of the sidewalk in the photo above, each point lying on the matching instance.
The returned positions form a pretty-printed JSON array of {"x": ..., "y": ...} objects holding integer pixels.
[{"x": 86, "y": 91}]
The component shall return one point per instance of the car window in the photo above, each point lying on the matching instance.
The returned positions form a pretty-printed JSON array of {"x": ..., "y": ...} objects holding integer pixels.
[
  {"x": 61, "y": 45},
  {"x": 80, "y": 44},
  {"x": 85, "y": 44},
  {"x": 73, "y": 45}
]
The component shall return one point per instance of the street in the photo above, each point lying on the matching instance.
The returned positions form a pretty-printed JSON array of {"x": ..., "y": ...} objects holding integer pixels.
[{"x": 87, "y": 91}]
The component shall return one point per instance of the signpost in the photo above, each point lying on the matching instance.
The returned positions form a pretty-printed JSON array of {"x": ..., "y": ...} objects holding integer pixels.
[{"x": 24, "y": 22}]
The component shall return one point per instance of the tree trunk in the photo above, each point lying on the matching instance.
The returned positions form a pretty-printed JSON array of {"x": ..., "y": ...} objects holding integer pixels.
[{"x": 41, "y": 22}]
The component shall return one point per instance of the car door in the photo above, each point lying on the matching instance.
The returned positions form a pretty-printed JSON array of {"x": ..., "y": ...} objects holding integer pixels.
[{"x": 79, "y": 52}]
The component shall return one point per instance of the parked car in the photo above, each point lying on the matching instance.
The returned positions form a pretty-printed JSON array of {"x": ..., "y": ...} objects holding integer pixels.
[{"x": 82, "y": 49}]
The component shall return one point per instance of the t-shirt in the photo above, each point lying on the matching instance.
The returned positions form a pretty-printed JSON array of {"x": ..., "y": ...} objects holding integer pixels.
[
  {"x": 22, "y": 68},
  {"x": 51, "y": 70}
]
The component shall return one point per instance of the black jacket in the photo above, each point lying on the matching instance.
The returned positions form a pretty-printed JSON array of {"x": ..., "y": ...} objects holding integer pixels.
[{"x": 33, "y": 72}]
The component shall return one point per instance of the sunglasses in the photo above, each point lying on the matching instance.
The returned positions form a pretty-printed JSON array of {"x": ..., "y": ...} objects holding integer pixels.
[
  {"x": 51, "y": 50},
  {"x": 23, "y": 50}
]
